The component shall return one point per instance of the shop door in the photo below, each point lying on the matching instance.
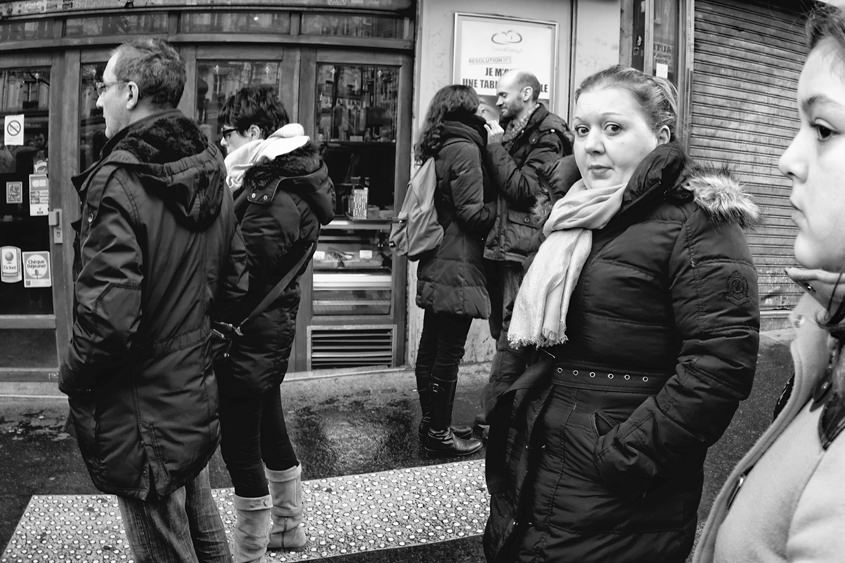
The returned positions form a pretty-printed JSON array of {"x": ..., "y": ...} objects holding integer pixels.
[{"x": 30, "y": 229}]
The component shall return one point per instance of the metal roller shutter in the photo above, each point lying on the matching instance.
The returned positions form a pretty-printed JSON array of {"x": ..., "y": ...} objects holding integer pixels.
[{"x": 747, "y": 58}]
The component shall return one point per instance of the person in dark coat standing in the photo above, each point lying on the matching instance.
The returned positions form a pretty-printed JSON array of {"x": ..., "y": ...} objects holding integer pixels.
[
  {"x": 451, "y": 285},
  {"x": 157, "y": 250},
  {"x": 642, "y": 312},
  {"x": 283, "y": 195},
  {"x": 532, "y": 139}
]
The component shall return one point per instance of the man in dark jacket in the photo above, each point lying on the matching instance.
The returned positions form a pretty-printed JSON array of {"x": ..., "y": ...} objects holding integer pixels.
[
  {"x": 157, "y": 251},
  {"x": 528, "y": 140}
]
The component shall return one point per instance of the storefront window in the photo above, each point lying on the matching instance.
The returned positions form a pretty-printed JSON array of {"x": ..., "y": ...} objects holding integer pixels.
[
  {"x": 26, "y": 269},
  {"x": 384, "y": 27},
  {"x": 666, "y": 40},
  {"x": 117, "y": 25},
  {"x": 661, "y": 30},
  {"x": 236, "y": 22},
  {"x": 217, "y": 80},
  {"x": 92, "y": 125},
  {"x": 24, "y": 30},
  {"x": 356, "y": 123}
]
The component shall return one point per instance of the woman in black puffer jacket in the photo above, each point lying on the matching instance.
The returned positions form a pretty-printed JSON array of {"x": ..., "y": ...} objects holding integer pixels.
[
  {"x": 451, "y": 285},
  {"x": 596, "y": 451},
  {"x": 283, "y": 195}
]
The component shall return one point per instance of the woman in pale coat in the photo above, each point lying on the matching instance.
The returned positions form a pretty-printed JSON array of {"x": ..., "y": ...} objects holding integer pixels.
[{"x": 785, "y": 501}]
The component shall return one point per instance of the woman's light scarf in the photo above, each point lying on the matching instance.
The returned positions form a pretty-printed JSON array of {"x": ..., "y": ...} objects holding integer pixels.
[
  {"x": 539, "y": 312},
  {"x": 284, "y": 140}
]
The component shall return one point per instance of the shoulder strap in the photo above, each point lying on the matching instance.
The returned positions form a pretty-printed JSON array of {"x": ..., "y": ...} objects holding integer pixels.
[{"x": 277, "y": 289}]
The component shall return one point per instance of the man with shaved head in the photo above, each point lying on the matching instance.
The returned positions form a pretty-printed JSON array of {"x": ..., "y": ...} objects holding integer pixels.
[{"x": 526, "y": 139}]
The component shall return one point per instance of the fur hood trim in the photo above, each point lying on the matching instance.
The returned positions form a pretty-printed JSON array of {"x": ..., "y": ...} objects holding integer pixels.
[{"x": 722, "y": 196}]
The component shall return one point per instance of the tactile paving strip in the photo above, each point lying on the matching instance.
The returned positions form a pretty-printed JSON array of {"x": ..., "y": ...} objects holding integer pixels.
[{"x": 343, "y": 515}]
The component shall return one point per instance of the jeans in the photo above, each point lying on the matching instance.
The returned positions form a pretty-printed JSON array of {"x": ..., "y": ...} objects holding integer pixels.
[
  {"x": 183, "y": 527},
  {"x": 442, "y": 345},
  {"x": 254, "y": 434}
]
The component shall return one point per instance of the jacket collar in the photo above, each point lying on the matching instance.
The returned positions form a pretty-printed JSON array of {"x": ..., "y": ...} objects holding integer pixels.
[{"x": 666, "y": 173}]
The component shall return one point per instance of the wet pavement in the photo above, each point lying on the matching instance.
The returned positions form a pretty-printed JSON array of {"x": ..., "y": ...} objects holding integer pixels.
[{"x": 340, "y": 426}]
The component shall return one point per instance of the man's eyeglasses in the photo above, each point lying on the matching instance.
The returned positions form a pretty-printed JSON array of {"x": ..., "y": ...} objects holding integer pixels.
[
  {"x": 226, "y": 131},
  {"x": 103, "y": 86}
]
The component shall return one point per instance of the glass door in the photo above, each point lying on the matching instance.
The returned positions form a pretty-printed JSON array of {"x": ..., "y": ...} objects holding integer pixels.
[{"x": 27, "y": 316}]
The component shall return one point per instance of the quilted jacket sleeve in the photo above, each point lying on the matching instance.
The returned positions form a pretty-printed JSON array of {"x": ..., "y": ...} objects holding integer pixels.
[
  {"x": 466, "y": 179},
  {"x": 107, "y": 294},
  {"x": 713, "y": 288},
  {"x": 520, "y": 185}
]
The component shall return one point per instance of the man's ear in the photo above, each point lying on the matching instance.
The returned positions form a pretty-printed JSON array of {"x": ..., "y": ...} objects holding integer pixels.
[
  {"x": 527, "y": 93},
  {"x": 132, "y": 95},
  {"x": 663, "y": 135}
]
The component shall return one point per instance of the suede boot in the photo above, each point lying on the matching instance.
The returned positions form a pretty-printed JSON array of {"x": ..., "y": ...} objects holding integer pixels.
[
  {"x": 440, "y": 439},
  {"x": 252, "y": 528},
  {"x": 287, "y": 531}
]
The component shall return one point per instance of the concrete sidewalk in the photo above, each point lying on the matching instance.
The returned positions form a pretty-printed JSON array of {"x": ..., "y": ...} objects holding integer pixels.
[{"x": 364, "y": 474}]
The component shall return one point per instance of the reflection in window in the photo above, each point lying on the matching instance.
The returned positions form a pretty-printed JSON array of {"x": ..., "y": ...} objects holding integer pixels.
[
  {"x": 117, "y": 25},
  {"x": 356, "y": 124},
  {"x": 236, "y": 22},
  {"x": 23, "y": 227},
  {"x": 27, "y": 30},
  {"x": 666, "y": 39},
  {"x": 217, "y": 80},
  {"x": 92, "y": 125},
  {"x": 385, "y": 27}
]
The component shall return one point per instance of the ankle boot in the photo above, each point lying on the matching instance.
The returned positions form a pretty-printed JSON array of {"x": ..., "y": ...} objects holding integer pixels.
[
  {"x": 424, "y": 391},
  {"x": 440, "y": 439},
  {"x": 287, "y": 531},
  {"x": 252, "y": 528}
]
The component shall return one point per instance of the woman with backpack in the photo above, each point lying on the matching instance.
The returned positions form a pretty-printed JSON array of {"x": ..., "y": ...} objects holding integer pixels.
[
  {"x": 451, "y": 285},
  {"x": 283, "y": 195}
]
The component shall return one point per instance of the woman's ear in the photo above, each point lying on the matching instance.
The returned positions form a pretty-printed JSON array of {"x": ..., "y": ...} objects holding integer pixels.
[
  {"x": 663, "y": 135},
  {"x": 254, "y": 132}
]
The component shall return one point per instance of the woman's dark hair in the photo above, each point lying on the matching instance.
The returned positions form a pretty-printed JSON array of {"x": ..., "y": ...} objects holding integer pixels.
[
  {"x": 254, "y": 105},
  {"x": 453, "y": 102},
  {"x": 826, "y": 20},
  {"x": 658, "y": 98}
]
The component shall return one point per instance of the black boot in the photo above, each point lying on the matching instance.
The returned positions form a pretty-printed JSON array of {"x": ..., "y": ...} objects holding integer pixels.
[
  {"x": 424, "y": 390},
  {"x": 440, "y": 439}
]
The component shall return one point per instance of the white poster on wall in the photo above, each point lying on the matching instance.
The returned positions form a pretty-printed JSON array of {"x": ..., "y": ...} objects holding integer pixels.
[{"x": 488, "y": 46}]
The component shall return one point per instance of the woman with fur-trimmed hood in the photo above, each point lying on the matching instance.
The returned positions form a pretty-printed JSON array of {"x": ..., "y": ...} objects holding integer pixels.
[
  {"x": 641, "y": 307},
  {"x": 283, "y": 195}
]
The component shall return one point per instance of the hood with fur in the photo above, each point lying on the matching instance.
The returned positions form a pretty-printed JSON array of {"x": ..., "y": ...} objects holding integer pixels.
[
  {"x": 720, "y": 194},
  {"x": 306, "y": 175},
  {"x": 175, "y": 162}
]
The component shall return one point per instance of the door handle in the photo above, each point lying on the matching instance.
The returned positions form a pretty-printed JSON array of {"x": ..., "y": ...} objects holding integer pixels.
[{"x": 54, "y": 219}]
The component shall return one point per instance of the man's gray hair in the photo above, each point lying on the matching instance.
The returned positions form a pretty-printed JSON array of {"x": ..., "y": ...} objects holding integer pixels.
[{"x": 155, "y": 66}]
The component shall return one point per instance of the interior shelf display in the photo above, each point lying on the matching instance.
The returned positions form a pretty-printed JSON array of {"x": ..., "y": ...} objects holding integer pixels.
[
  {"x": 353, "y": 270},
  {"x": 356, "y": 127}
]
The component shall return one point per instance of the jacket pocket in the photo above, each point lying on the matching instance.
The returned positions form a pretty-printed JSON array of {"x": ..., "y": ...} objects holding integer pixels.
[{"x": 521, "y": 232}]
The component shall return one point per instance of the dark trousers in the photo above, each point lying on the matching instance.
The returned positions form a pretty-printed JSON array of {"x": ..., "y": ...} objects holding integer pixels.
[
  {"x": 503, "y": 280},
  {"x": 441, "y": 345},
  {"x": 253, "y": 431}
]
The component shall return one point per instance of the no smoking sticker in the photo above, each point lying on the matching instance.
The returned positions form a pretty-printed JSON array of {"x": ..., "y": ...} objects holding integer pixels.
[{"x": 13, "y": 130}]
